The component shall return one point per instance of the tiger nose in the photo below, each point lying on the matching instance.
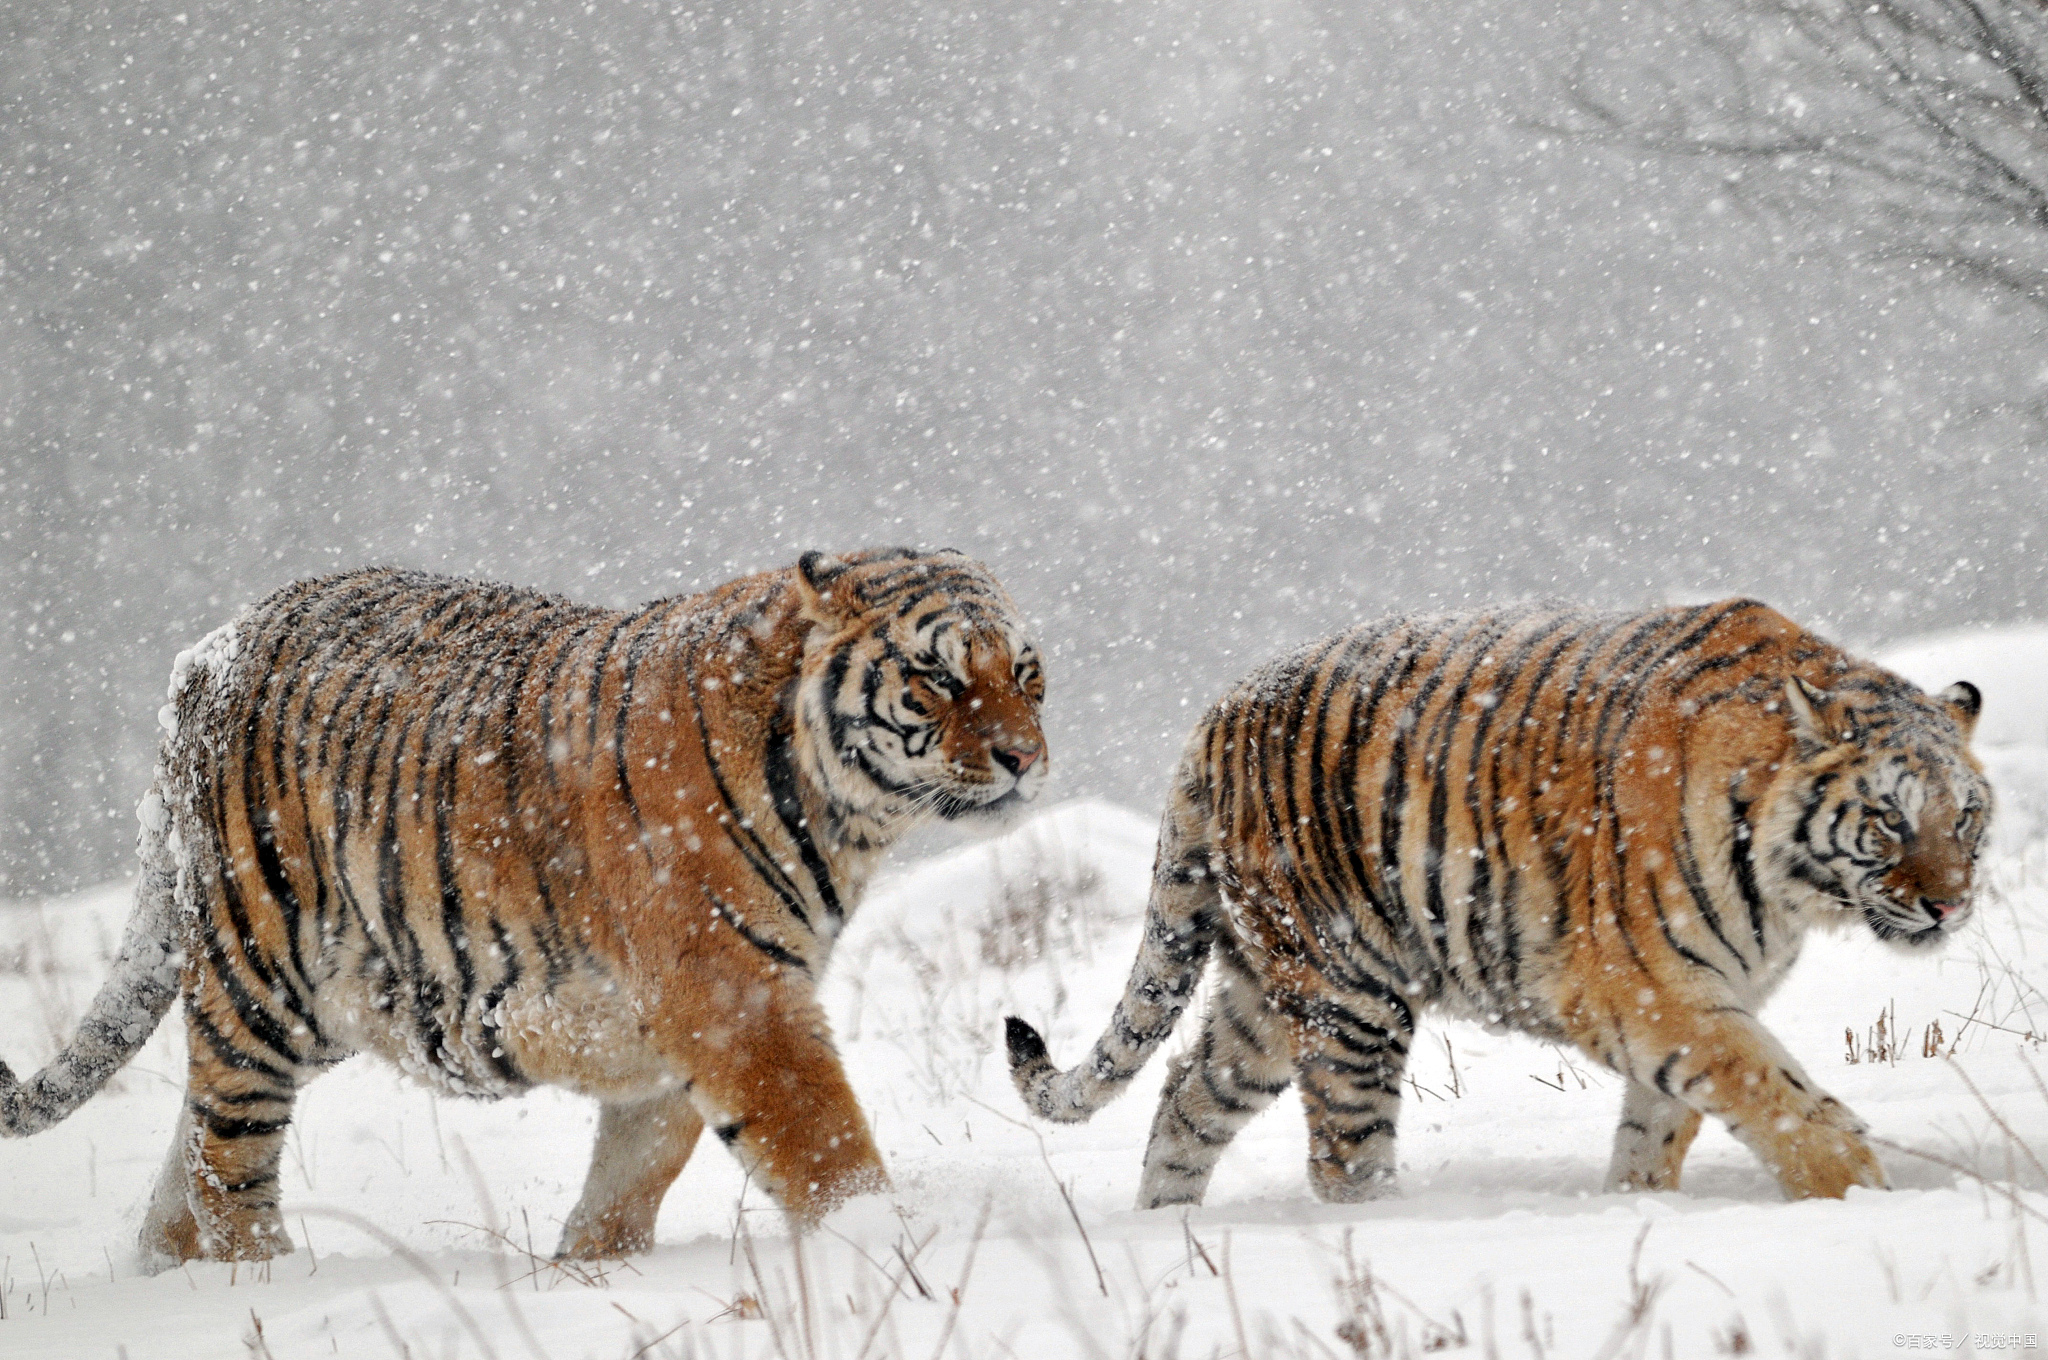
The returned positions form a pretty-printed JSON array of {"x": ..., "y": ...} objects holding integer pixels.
[
  {"x": 1017, "y": 758},
  {"x": 1941, "y": 911}
]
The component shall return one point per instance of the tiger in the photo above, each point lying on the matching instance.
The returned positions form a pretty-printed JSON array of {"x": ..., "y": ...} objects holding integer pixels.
[
  {"x": 1604, "y": 830},
  {"x": 504, "y": 840}
]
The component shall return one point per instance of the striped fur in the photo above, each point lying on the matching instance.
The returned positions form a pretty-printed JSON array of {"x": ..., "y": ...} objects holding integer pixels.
[
  {"x": 1610, "y": 830},
  {"x": 505, "y": 840}
]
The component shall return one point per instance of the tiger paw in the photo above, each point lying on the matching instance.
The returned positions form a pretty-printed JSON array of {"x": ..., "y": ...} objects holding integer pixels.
[
  {"x": 255, "y": 1237},
  {"x": 605, "y": 1237},
  {"x": 1335, "y": 1183},
  {"x": 1817, "y": 1162},
  {"x": 168, "y": 1245}
]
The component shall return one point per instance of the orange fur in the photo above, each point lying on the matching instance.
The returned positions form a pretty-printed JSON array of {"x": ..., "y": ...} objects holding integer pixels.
[
  {"x": 1603, "y": 829},
  {"x": 505, "y": 840}
]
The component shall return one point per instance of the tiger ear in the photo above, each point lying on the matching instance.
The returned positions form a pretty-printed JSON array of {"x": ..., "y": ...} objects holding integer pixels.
[
  {"x": 817, "y": 575},
  {"x": 1814, "y": 720},
  {"x": 1964, "y": 702}
]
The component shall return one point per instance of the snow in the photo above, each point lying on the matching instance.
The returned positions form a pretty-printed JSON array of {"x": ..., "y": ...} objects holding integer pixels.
[
  {"x": 421, "y": 1211},
  {"x": 2009, "y": 665},
  {"x": 1210, "y": 328},
  {"x": 212, "y": 655}
]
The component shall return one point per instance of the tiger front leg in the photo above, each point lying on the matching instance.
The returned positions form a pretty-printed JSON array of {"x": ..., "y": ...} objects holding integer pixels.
[
  {"x": 1813, "y": 1145},
  {"x": 1727, "y": 1065},
  {"x": 776, "y": 1095},
  {"x": 1651, "y": 1141}
]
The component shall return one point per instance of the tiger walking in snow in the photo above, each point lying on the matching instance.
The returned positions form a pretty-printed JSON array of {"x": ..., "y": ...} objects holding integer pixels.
[
  {"x": 1609, "y": 830},
  {"x": 507, "y": 840}
]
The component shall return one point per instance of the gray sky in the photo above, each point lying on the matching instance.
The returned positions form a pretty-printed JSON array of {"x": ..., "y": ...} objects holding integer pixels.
[{"x": 1210, "y": 327}]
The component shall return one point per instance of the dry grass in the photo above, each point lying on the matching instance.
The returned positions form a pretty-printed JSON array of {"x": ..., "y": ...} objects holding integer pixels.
[
  {"x": 950, "y": 972},
  {"x": 1048, "y": 900}
]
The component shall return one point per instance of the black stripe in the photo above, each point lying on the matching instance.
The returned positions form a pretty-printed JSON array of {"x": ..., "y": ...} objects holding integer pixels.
[
  {"x": 597, "y": 665},
  {"x": 1480, "y": 640},
  {"x": 547, "y": 931},
  {"x": 282, "y": 682},
  {"x": 779, "y": 769},
  {"x": 230, "y": 896},
  {"x": 1689, "y": 872},
  {"x": 426, "y": 991},
  {"x": 256, "y": 1097},
  {"x": 266, "y": 1176},
  {"x": 834, "y": 683},
  {"x": 229, "y": 1127},
  {"x": 317, "y": 868},
  {"x": 550, "y": 762},
  {"x": 1394, "y": 789},
  {"x": 1318, "y": 903},
  {"x": 1521, "y": 739},
  {"x": 262, "y": 1026},
  {"x": 1745, "y": 868},
  {"x": 1664, "y": 925},
  {"x": 1553, "y": 854},
  {"x": 1662, "y": 1080},
  {"x": 1618, "y": 900},
  {"x": 720, "y": 911},
  {"x": 636, "y": 652},
  {"x": 1389, "y": 673},
  {"x": 285, "y": 977},
  {"x": 1492, "y": 914},
  {"x": 199, "y": 1022},
  {"x": 490, "y": 1034},
  {"x": 1324, "y": 835},
  {"x": 454, "y": 925},
  {"x": 750, "y": 846},
  {"x": 346, "y": 798},
  {"x": 1228, "y": 1103}
]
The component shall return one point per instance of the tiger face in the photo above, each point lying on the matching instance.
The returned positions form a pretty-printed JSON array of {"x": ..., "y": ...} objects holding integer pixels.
[
  {"x": 1895, "y": 808},
  {"x": 920, "y": 688}
]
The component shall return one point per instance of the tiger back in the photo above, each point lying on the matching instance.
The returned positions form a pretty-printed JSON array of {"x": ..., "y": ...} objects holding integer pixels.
[
  {"x": 1609, "y": 830},
  {"x": 505, "y": 840}
]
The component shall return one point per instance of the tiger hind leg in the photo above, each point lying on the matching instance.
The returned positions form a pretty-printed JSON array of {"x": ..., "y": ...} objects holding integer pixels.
[
  {"x": 170, "y": 1231},
  {"x": 217, "y": 1196},
  {"x": 1651, "y": 1141},
  {"x": 1242, "y": 1061},
  {"x": 641, "y": 1149},
  {"x": 1350, "y": 1075}
]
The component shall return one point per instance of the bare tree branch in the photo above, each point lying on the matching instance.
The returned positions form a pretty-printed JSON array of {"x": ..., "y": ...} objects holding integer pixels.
[{"x": 1915, "y": 131}]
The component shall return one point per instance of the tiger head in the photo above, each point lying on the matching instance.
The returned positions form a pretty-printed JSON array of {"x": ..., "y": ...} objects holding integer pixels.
[
  {"x": 920, "y": 690},
  {"x": 1887, "y": 807}
]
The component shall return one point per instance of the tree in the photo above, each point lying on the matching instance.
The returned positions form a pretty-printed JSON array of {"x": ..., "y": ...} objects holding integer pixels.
[{"x": 1907, "y": 131}]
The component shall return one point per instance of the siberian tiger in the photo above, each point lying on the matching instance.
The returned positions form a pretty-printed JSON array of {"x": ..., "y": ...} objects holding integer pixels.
[
  {"x": 1610, "y": 830},
  {"x": 507, "y": 840}
]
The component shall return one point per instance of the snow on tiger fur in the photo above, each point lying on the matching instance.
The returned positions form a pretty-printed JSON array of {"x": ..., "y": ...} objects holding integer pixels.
[
  {"x": 1609, "y": 830},
  {"x": 505, "y": 840}
]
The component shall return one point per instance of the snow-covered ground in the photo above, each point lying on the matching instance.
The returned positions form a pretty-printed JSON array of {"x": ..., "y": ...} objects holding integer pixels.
[{"x": 423, "y": 1222}]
